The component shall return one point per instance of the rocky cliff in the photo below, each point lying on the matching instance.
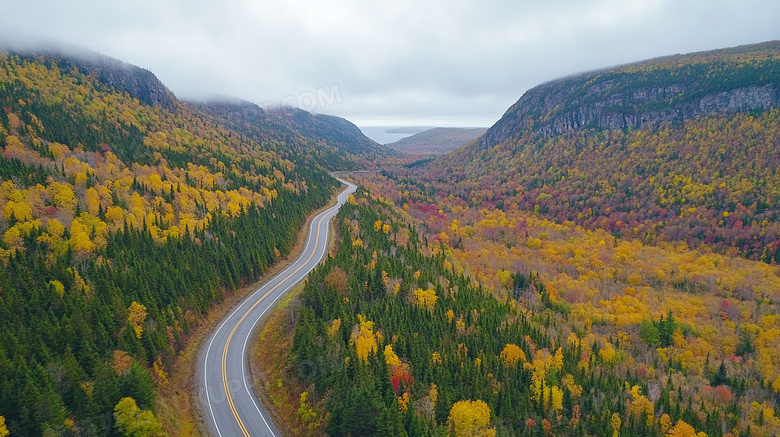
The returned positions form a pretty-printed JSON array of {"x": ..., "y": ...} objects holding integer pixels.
[
  {"x": 135, "y": 81},
  {"x": 667, "y": 89}
]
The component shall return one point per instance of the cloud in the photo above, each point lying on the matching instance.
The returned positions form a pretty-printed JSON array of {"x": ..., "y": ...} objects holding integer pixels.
[{"x": 404, "y": 62}]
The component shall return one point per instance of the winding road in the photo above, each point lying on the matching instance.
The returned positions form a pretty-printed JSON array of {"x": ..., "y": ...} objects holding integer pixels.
[{"x": 225, "y": 390}]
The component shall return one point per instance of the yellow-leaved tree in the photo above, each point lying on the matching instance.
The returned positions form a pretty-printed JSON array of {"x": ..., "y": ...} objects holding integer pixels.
[
  {"x": 470, "y": 419},
  {"x": 425, "y": 298},
  {"x": 390, "y": 357},
  {"x": 59, "y": 288},
  {"x": 616, "y": 423},
  {"x": 364, "y": 339},
  {"x": 556, "y": 398},
  {"x": 136, "y": 316},
  {"x": 132, "y": 421},
  {"x": 62, "y": 196},
  {"x": 682, "y": 429},
  {"x": 3, "y": 429},
  {"x": 19, "y": 211},
  {"x": 92, "y": 199}
]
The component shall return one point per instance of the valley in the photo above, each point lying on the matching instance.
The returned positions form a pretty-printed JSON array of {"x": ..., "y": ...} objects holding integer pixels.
[{"x": 603, "y": 260}]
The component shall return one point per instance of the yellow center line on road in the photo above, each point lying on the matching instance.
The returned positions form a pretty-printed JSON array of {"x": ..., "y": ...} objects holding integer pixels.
[{"x": 230, "y": 337}]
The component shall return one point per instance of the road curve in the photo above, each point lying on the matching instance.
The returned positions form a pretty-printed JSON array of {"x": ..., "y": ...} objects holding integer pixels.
[{"x": 224, "y": 387}]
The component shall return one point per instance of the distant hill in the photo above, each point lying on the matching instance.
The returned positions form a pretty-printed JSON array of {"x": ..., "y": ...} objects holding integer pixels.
[
  {"x": 332, "y": 142},
  {"x": 685, "y": 148},
  {"x": 436, "y": 141},
  {"x": 333, "y": 131}
]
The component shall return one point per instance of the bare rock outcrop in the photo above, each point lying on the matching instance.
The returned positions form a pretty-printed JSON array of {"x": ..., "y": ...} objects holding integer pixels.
[{"x": 671, "y": 89}]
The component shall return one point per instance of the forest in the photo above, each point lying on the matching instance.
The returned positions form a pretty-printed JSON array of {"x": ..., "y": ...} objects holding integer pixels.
[
  {"x": 593, "y": 281},
  {"x": 427, "y": 324},
  {"x": 122, "y": 225}
]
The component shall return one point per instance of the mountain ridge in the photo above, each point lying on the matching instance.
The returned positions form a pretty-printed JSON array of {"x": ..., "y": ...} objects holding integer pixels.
[
  {"x": 280, "y": 124},
  {"x": 336, "y": 142},
  {"x": 628, "y": 97},
  {"x": 138, "y": 82}
]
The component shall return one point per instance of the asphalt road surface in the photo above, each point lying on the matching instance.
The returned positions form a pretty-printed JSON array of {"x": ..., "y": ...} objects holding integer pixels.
[{"x": 225, "y": 390}]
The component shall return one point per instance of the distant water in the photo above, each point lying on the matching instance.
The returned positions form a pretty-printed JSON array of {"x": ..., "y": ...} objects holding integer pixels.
[{"x": 390, "y": 134}]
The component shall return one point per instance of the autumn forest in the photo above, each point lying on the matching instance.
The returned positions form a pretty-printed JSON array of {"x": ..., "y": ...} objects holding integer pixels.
[{"x": 587, "y": 281}]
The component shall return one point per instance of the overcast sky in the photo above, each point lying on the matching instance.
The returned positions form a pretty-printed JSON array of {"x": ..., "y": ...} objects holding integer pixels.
[{"x": 388, "y": 62}]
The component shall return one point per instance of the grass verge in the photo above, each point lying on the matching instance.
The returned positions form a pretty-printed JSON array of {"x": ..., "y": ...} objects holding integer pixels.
[{"x": 272, "y": 376}]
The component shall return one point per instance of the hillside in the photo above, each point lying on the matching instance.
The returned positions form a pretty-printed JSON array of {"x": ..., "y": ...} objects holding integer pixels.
[
  {"x": 682, "y": 148},
  {"x": 436, "y": 141},
  {"x": 126, "y": 216}
]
